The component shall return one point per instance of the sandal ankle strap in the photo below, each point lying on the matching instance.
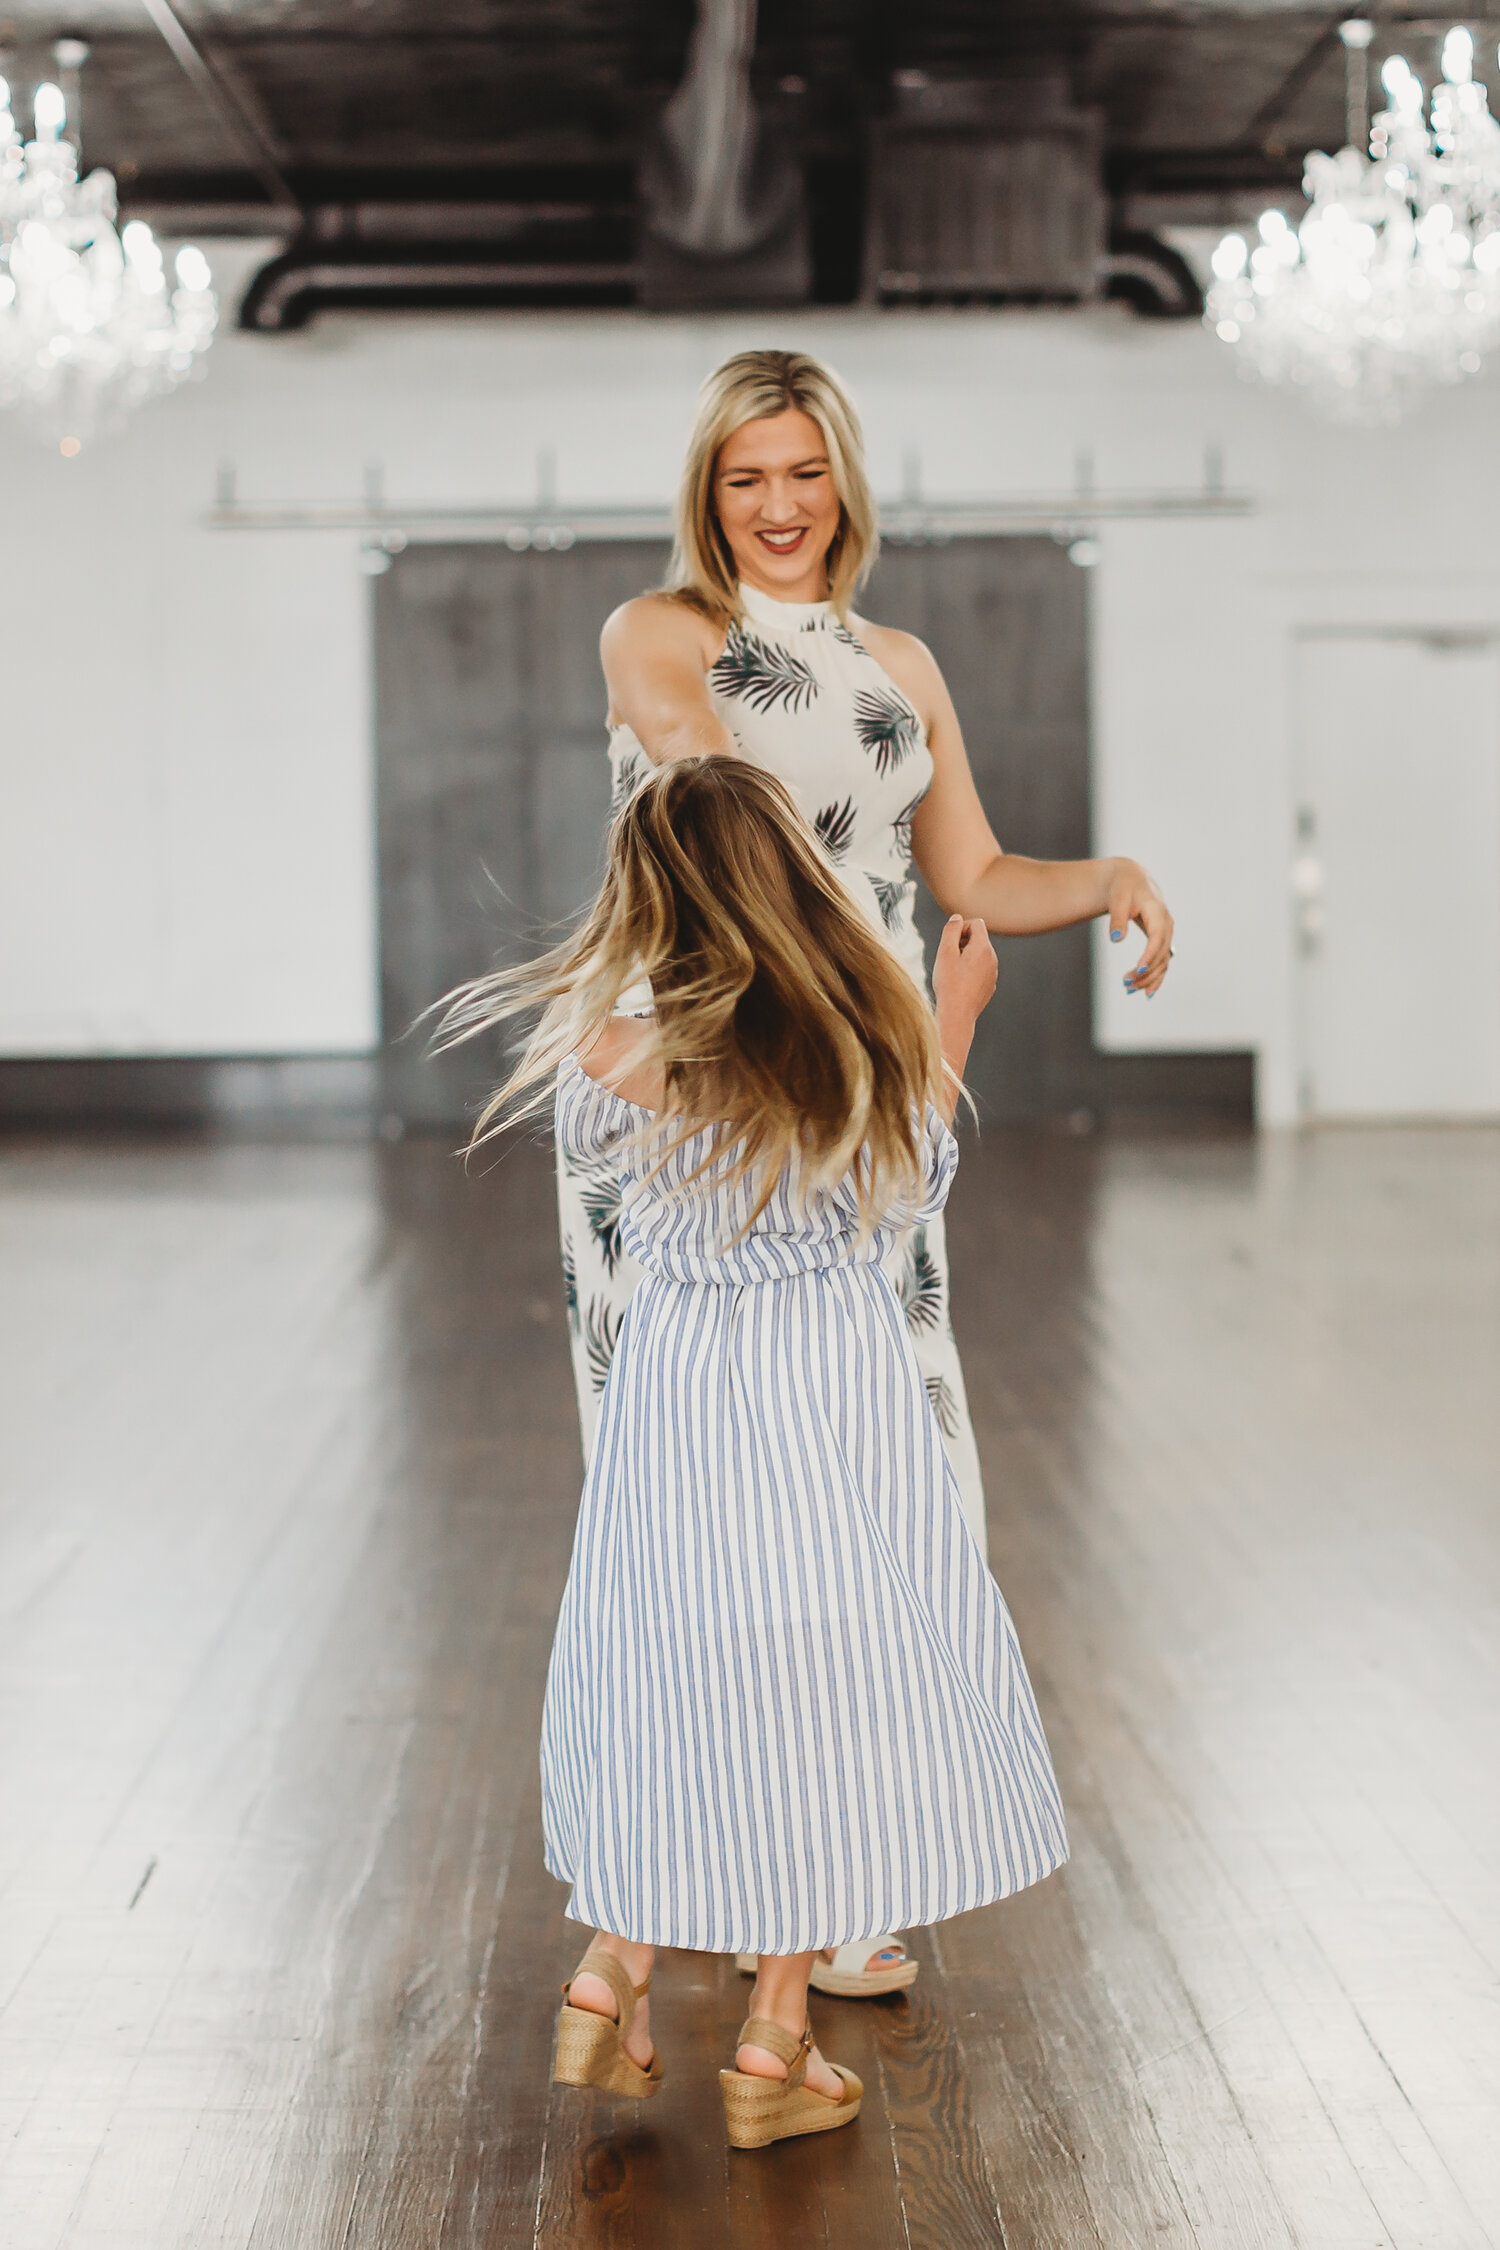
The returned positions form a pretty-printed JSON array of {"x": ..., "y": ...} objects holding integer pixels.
[
  {"x": 760, "y": 2031},
  {"x": 611, "y": 1971}
]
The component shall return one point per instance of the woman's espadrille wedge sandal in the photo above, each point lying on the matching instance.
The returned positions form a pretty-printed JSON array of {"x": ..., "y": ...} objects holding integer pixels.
[
  {"x": 846, "y": 1977},
  {"x": 758, "y": 2111},
  {"x": 590, "y": 2047}
]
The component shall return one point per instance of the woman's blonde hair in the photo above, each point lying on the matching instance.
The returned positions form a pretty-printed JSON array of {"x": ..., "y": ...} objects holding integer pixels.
[
  {"x": 749, "y": 388},
  {"x": 781, "y": 1017}
]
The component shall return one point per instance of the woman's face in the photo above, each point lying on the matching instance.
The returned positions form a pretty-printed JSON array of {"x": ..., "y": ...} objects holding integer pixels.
[{"x": 774, "y": 492}]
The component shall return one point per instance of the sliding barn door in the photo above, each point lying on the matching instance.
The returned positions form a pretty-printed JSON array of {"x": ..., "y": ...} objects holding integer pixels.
[
  {"x": 493, "y": 782},
  {"x": 1007, "y": 620}
]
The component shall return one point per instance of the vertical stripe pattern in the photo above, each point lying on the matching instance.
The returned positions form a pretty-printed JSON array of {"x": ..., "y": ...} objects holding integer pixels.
[{"x": 786, "y": 1707}]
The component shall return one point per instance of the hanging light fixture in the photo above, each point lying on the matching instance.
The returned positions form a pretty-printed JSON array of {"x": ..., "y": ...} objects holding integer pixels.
[
  {"x": 90, "y": 326},
  {"x": 1391, "y": 282}
]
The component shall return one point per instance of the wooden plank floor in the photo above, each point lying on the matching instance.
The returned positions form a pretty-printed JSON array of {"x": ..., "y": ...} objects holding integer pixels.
[{"x": 286, "y": 1498}]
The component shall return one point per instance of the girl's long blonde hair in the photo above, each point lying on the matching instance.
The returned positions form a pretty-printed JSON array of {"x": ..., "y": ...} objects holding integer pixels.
[
  {"x": 748, "y": 388},
  {"x": 782, "y": 1019}
]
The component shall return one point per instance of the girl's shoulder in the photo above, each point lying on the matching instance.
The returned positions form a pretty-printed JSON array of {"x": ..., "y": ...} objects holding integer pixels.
[{"x": 617, "y": 1059}]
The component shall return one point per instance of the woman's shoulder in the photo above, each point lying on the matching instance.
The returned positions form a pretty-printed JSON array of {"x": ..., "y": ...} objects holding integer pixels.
[
  {"x": 657, "y": 625},
  {"x": 910, "y": 662}
]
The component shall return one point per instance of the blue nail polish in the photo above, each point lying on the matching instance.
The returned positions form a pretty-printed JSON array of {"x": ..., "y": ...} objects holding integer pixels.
[
  {"x": 1129, "y": 984},
  {"x": 1115, "y": 936}
]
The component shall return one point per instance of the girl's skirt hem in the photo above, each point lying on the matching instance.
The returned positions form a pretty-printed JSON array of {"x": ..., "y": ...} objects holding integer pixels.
[{"x": 748, "y": 1937}]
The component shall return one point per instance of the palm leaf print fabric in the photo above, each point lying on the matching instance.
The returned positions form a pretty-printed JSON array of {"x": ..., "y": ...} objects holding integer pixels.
[
  {"x": 887, "y": 727},
  {"x": 901, "y": 828},
  {"x": 601, "y": 1207},
  {"x": 601, "y": 1333},
  {"x": 627, "y": 777},
  {"x": 944, "y": 1405},
  {"x": 892, "y": 899},
  {"x": 921, "y": 1285},
  {"x": 766, "y": 677},
  {"x": 835, "y": 826}
]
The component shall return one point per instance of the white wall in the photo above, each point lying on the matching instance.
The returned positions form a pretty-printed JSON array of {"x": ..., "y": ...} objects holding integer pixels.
[{"x": 185, "y": 752}]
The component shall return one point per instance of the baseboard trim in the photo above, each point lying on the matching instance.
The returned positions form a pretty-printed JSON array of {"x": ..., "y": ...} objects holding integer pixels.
[
  {"x": 223, "y": 1093},
  {"x": 341, "y": 1095}
]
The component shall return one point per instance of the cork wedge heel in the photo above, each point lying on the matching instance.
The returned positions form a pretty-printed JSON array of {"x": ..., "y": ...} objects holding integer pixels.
[
  {"x": 590, "y": 2047},
  {"x": 758, "y": 2111}
]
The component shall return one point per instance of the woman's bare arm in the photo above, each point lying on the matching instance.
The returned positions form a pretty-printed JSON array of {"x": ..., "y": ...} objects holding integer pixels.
[
  {"x": 656, "y": 655},
  {"x": 964, "y": 866}
]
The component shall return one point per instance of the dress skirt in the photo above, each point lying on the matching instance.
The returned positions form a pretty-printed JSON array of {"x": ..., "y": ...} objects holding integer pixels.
[
  {"x": 786, "y": 1707},
  {"x": 599, "y": 1279}
]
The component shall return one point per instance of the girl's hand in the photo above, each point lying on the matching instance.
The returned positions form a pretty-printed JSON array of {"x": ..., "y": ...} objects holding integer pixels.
[
  {"x": 1134, "y": 897},
  {"x": 964, "y": 973}
]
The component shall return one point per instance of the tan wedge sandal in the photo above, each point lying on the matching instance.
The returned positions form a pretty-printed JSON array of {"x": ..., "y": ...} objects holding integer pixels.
[
  {"x": 590, "y": 2047},
  {"x": 758, "y": 2111}
]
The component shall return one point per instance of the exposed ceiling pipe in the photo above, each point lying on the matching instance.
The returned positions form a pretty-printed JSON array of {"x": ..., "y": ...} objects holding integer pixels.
[
  {"x": 709, "y": 127},
  {"x": 1150, "y": 276},
  {"x": 713, "y": 190}
]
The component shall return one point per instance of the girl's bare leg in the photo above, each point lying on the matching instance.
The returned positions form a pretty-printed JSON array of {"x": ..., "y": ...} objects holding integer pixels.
[
  {"x": 594, "y": 1994},
  {"x": 780, "y": 1992}
]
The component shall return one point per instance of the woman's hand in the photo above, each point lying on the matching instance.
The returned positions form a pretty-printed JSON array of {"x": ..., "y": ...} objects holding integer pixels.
[{"x": 1134, "y": 897}]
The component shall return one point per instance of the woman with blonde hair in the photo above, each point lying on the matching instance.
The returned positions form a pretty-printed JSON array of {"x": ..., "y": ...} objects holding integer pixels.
[
  {"x": 773, "y": 1590},
  {"x": 755, "y": 651}
]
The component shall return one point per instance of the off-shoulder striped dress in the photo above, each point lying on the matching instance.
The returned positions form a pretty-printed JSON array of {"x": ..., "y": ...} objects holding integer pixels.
[{"x": 786, "y": 1707}]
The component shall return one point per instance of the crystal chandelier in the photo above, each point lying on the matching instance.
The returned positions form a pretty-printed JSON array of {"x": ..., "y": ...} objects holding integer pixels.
[
  {"x": 1392, "y": 281},
  {"x": 89, "y": 328}
]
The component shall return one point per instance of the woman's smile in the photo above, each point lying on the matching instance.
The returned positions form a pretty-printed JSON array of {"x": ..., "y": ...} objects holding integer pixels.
[{"x": 778, "y": 506}]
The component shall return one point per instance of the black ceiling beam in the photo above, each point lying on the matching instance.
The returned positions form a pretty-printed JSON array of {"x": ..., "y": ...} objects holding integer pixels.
[
  {"x": 238, "y": 115},
  {"x": 1195, "y": 171},
  {"x": 1301, "y": 75}
]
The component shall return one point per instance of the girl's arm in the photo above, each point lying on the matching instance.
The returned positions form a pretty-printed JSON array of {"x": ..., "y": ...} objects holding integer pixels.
[
  {"x": 965, "y": 868},
  {"x": 656, "y": 655},
  {"x": 963, "y": 981}
]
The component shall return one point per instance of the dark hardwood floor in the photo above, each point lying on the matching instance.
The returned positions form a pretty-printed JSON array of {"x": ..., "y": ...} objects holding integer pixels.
[{"x": 288, "y": 1480}]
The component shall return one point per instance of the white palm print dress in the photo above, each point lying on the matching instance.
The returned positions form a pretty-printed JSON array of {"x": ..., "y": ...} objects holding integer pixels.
[{"x": 803, "y": 698}]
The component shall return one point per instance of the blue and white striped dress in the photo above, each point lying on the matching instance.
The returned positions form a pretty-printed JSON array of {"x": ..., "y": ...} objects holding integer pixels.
[{"x": 786, "y": 1708}]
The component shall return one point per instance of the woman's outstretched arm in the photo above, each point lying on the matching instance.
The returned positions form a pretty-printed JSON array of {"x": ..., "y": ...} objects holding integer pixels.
[
  {"x": 964, "y": 866},
  {"x": 656, "y": 655}
]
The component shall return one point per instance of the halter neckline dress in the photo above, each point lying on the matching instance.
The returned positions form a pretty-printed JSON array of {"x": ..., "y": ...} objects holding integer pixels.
[
  {"x": 804, "y": 698},
  {"x": 785, "y": 1705}
]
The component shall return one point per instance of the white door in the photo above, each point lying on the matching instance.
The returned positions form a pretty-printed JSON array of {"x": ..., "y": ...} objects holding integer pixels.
[{"x": 1397, "y": 875}]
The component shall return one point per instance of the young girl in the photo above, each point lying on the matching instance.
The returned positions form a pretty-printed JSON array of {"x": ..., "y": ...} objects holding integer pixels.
[{"x": 785, "y": 1706}]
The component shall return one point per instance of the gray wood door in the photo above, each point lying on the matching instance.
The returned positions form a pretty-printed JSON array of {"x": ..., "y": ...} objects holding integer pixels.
[
  {"x": 1007, "y": 620},
  {"x": 493, "y": 782}
]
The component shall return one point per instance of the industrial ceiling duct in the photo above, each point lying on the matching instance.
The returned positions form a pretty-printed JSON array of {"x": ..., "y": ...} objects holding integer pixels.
[
  {"x": 724, "y": 217},
  {"x": 985, "y": 190}
]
